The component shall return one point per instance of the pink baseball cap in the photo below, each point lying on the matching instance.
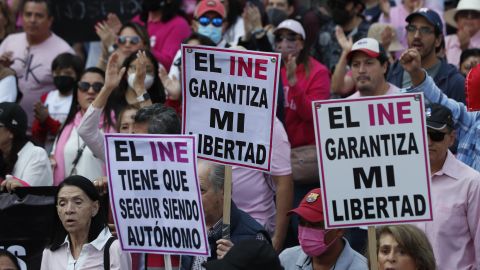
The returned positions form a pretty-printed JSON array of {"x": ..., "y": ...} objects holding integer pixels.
[
  {"x": 293, "y": 26},
  {"x": 205, "y": 6}
]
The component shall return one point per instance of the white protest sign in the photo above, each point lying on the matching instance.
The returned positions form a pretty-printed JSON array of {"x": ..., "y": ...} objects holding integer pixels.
[
  {"x": 373, "y": 160},
  {"x": 155, "y": 193},
  {"x": 229, "y": 100}
]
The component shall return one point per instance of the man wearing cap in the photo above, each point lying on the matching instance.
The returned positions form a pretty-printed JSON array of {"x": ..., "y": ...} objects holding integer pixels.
[
  {"x": 209, "y": 20},
  {"x": 455, "y": 231},
  {"x": 466, "y": 18},
  {"x": 424, "y": 33},
  {"x": 319, "y": 248},
  {"x": 21, "y": 162},
  {"x": 369, "y": 64}
]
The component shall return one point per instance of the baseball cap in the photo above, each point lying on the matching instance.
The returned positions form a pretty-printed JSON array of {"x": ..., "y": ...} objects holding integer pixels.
[
  {"x": 293, "y": 26},
  {"x": 438, "y": 116},
  {"x": 14, "y": 118},
  {"x": 249, "y": 254},
  {"x": 205, "y": 6},
  {"x": 369, "y": 46},
  {"x": 431, "y": 16},
  {"x": 311, "y": 206}
]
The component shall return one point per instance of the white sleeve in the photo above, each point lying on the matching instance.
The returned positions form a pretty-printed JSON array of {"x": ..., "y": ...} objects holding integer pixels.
[
  {"x": 38, "y": 171},
  {"x": 119, "y": 260},
  {"x": 91, "y": 134},
  {"x": 8, "y": 89}
]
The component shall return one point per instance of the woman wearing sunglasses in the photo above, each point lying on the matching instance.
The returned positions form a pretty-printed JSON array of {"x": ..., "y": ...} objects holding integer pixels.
[{"x": 71, "y": 156}]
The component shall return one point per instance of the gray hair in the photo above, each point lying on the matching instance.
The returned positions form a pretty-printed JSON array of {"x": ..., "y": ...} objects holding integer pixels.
[
  {"x": 216, "y": 174},
  {"x": 160, "y": 119}
]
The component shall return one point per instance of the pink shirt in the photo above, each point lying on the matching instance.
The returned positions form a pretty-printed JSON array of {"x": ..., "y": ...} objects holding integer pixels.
[
  {"x": 455, "y": 230},
  {"x": 166, "y": 37},
  {"x": 452, "y": 47},
  {"x": 392, "y": 90},
  {"x": 253, "y": 191},
  {"x": 33, "y": 65}
]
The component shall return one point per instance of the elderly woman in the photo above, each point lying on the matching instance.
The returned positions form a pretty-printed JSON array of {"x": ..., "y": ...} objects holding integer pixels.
[
  {"x": 404, "y": 247},
  {"x": 21, "y": 162},
  {"x": 81, "y": 238}
]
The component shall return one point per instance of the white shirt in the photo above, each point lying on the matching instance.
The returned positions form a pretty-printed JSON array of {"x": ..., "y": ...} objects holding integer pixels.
[
  {"x": 33, "y": 166},
  {"x": 58, "y": 105},
  {"x": 8, "y": 89},
  {"x": 91, "y": 256}
]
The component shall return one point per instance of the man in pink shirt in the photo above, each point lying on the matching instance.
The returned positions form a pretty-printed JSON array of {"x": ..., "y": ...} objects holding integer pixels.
[
  {"x": 30, "y": 53},
  {"x": 455, "y": 230},
  {"x": 369, "y": 64},
  {"x": 466, "y": 18}
]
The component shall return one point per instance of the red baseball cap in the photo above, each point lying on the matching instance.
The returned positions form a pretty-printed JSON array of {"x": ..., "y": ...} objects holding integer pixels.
[
  {"x": 205, "y": 6},
  {"x": 311, "y": 207}
]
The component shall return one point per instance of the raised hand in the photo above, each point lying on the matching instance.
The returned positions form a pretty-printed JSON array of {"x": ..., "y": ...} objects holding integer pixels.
[
  {"x": 344, "y": 42},
  {"x": 291, "y": 69},
  {"x": 113, "y": 73}
]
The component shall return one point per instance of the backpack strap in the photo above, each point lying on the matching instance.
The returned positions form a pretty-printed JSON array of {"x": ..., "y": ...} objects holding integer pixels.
[{"x": 106, "y": 252}]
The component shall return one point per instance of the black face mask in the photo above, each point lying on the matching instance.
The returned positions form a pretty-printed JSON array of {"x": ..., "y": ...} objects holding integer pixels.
[
  {"x": 64, "y": 84},
  {"x": 276, "y": 16},
  {"x": 341, "y": 16},
  {"x": 152, "y": 5}
]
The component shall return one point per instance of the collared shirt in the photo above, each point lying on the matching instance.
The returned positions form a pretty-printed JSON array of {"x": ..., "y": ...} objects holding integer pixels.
[
  {"x": 295, "y": 259},
  {"x": 33, "y": 166},
  {"x": 392, "y": 90},
  {"x": 467, "y": 124},
  {"x": 455, "y": 230},
  {"x": 91, "y": 256},
  {"x": 453, "y": 50}
]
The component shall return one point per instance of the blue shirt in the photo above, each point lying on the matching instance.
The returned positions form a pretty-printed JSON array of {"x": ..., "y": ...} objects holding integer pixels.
[
  {"x": 467, "y": 124},
  {"x": 295, "y": 259}
]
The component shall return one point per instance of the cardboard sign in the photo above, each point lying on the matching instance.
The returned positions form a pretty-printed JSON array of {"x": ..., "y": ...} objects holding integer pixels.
[
  {"x": 373, "y": 160},
  {"x": 155, "y": 194},
  {"x": 229, "y": 100}
]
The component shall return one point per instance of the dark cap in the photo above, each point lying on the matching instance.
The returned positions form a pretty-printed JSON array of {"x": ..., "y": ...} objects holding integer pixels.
[
  {"x": 311, "y": 206},
  {"x": 14, "y": 118},
  {"x": 248, "y": 255},
  {"x": 438, "y": 116},
  {"x": 431, "y": 16}
]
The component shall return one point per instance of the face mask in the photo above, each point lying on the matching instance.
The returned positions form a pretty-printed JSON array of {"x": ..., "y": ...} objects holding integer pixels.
[
  {"x": 214, "y": 33},
  {"x": 148, "y": 80},
  {"x": 312, "y": 241},
  {"x": 276, "y": 16},
  {"x": 64, "y": 84},
  {"x": 341, "y": 16}
]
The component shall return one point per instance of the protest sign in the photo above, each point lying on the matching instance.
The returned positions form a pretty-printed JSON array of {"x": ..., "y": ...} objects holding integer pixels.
[
  {"x": 373, "y": 160},
  {"x": 229, "y": 100},
  {"x": 155, "y": 193},
  {"x": 75, "y": 20}
]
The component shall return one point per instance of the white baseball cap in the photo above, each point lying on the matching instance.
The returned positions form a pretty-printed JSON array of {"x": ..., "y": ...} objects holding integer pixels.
[
  {"x": 293, "y": 26},
  {"x": 450, "y": 14},
  {"x": 369, "y": 46}
]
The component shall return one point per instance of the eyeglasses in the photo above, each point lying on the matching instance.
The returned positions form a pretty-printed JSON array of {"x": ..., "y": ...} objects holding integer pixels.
[
  {"x": 289, "y": 37},
  {"x": 85, "y": 86},
  {"x": 468, "y": 14},
  {"x": 424, "y": 30},
  {"x": 436, "y": 136},
  {"x": 134, "y": 40},
  {"x": 217, "y": 21}
]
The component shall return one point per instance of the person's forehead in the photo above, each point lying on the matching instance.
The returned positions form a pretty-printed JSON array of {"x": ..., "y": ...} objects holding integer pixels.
[
  {"x": 285, "y": 2},
  {"x": 387, "y": 239},
  {"x": 92, "y": 76},
  {"x": 67, "y": 192},
  {"x": 128, "y": 31},
  {"x": 38, "y": 7},
  {"x": 419, "y": 20}
]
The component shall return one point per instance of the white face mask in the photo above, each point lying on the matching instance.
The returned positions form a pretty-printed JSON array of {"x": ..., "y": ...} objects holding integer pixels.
[{"x": 148, "y": 80}]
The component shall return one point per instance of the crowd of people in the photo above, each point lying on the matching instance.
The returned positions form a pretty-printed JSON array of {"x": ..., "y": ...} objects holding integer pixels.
[{"x": 56, "y": 103}]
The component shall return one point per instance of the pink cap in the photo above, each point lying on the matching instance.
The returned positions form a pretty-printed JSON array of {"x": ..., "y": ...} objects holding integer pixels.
[{"x": 205, "y": 6}]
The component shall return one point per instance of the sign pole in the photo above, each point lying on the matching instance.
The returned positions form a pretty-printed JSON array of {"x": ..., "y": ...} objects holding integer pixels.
[
  {"x": 227, "y": 200},
  {"x": 168, "y": 262},
  {"x": 372, "y": 248}
]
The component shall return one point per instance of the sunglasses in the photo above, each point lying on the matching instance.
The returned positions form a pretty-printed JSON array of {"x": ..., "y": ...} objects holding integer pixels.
[
  {"x": 436, "y": 136},
  {"x": 85, "y": 86},
  {"x": 289, "y": 37},
  {"x": 134, "y": 40},
  {"x": 424, "y": 30},
  {"x": 217, "y": 21}
]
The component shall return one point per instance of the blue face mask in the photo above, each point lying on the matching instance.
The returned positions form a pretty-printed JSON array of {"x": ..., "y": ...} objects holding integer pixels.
[{"x": 214, "y": 33}]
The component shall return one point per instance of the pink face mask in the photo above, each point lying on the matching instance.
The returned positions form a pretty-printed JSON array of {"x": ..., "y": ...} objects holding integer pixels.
[{"x": 312, "y": 241}]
